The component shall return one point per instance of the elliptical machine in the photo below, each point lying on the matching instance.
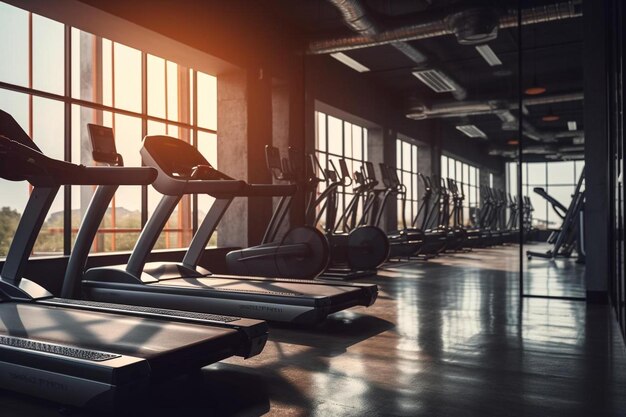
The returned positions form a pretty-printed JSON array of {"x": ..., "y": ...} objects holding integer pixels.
[
  {"x": 301, "y": 253},
  {"x": 355, "y": 252},
  {"x": 405, "y": 242},
  {"x": 570, "y": 235}
]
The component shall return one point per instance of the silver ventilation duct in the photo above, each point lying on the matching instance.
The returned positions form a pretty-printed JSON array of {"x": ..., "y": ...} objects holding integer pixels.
[
  {"x": 467, "y": 31},
  {"x": 355, "y": 16},
  {"x": 500, "y": 108},
  {"x": 473, "y": 108}
]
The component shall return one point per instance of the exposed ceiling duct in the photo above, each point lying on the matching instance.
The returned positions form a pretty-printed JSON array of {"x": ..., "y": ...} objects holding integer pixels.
[
  {"x": 474, "y": 29},
  {"x": 501, "y": 109},
  {"x": 474, "y": 108},
  {"x": 356, "y": 17}
]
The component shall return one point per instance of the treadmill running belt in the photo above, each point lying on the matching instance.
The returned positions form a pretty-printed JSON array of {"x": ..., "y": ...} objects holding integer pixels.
[{"x": 126, "y": 335}]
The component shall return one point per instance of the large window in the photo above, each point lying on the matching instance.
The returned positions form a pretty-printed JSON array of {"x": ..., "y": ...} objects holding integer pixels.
[
  {"x": 467, "y": 178},
  {"x": 406, "y": 163},
  {"x": 107, "y": 83},
  {"x": 557, "y": 178},
  {"x": 335, "y": 139}
]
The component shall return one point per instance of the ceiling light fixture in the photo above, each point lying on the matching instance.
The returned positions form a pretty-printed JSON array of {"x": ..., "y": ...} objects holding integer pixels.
[
  {"x": 436, "y": 80},
  {"x": 471, "y": 131},
  {"x": 550, "y": 117},
  {"x": 534, "y": 90},
  {"x": 488, "y": 55},
  {"x": 346, "y": 60},
  {"x": 571, "y": 126}
]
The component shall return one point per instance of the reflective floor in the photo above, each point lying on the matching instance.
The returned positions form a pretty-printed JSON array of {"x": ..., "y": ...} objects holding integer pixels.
[{"x": 446, "y": 337}]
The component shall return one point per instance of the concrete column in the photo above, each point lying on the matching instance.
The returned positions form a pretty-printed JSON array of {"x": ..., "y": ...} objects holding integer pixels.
[
  {"x": 424, "y": 165},
  {"x": 381, "y": 148},
  {"x": 232, "y": 152},
  {"x": 281, "y": 131},
  {"x": 259, "y": 131},
  {"x": 596, "y": 150},
  {"x": 90, "y": 89}
]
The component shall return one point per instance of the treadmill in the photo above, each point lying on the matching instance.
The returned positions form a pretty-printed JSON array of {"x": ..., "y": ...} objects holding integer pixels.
[
  {"x": 83, "y": 354},
  {"x": 187, "y": 286}
]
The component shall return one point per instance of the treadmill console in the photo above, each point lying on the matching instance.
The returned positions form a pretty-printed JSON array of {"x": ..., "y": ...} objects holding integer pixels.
[
  {"x": 207, "y": 172},
  {"x": 103, "y": 144}
]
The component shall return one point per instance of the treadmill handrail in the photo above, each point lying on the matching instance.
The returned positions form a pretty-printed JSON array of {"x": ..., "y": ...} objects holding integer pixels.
[
  {"x": 40, "y": 170},
  {"x": 47, "y": 175}
]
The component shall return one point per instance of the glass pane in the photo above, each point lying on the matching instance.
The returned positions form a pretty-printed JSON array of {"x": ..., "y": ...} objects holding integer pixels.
[
  {"x": 398, "y": 153},
  {"x": 465, "y": 174},
  {"x": 127, "y": 72},
  {"x": 107, "y": 72},
  {"x": 207, "y": 145},
  {"x": 357, "y": 133},
  {"x": 173, "y": 97},
  {"x": 207, "y": 101},
  {"x": 15, "y": 104},
  {"x": 365, "y": 151},
  {"x": 85, "y": 85},
  {"x": 357, "y": 145},
  {"x": 156, "y": 128},
  {"x": 561, "y": 173},
  {"x": 156, "y": 86},
  {"x": 540, "y": 213},
  {"x": 48, "y": 55},
  {"x": 334, "y": 135},
  {"x": 537, "y": 173},
  {"x": 406, "y": 156},
  {"x": 320, "y": 133},
  {"x": 414, "y": 166},
  {"x": 48, "y": 126},
  {"x": 48, "y": 134},
  {"x": 347, "y": 139},
  {"x": 13, "y": 45}
]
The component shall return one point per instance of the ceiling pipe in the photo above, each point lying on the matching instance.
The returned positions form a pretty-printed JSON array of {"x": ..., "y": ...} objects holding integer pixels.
[
  {"x": 356, "y": 17},
  {"x": 433, "y": 28},
  {"x": 474, "y": 108}
]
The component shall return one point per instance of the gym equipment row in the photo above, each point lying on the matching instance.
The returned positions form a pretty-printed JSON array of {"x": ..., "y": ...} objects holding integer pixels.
[{"x": 115, "y": 330}]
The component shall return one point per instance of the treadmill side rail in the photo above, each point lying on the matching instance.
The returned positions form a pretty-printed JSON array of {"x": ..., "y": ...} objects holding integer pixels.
[{"x": 101, "y": 385}]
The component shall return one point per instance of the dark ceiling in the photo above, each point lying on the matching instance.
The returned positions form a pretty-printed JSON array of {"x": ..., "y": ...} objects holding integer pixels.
[{"x": 551, "y": 58}]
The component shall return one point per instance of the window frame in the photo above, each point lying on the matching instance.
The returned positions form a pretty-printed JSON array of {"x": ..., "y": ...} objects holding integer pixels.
[{"x": 68, "y": 101}]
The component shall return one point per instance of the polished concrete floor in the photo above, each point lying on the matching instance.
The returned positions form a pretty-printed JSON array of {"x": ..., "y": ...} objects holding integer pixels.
[{"x": 447, "y": 337}]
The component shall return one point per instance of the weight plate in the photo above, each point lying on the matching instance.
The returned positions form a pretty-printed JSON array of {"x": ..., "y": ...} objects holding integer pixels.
[
  {"x": 306, "y": 264},
  {"x": 368, "y": 247}
]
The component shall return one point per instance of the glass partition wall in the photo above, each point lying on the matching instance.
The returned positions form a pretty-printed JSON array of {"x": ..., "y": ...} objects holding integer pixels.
[{"x": 549, "y": 174}]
